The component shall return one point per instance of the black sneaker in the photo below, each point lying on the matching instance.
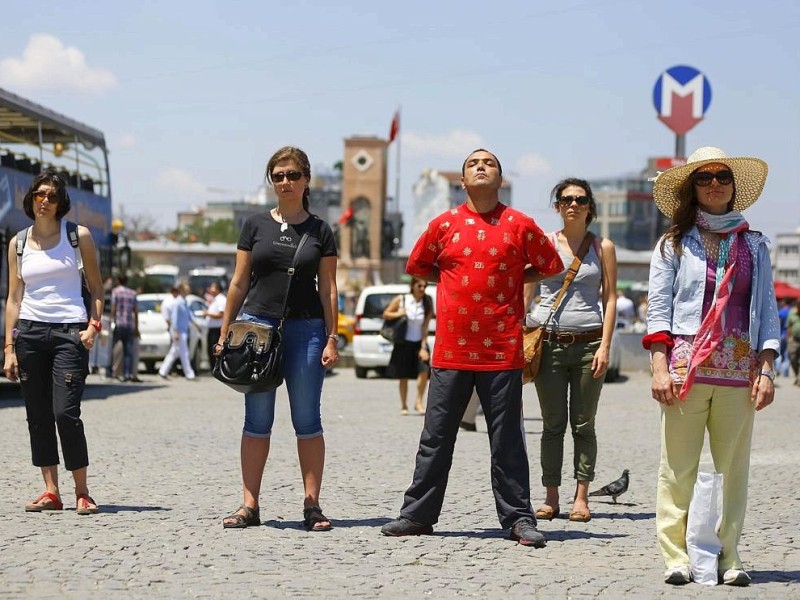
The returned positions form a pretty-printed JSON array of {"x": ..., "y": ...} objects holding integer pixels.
[
  {"x": 466, "y": 426},
  {"x": 403, "y": 526},
  {"x": 524, "y": 531}
]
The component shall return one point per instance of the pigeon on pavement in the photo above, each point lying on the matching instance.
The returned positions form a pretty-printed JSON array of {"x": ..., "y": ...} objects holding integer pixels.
[{"x": 615, "y": 488}]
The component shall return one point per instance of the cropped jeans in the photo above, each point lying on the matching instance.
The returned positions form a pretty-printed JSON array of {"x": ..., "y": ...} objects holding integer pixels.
[
  {"x": 568, "y": 394},
  {"x": 53, "y": 364},
  {"x": 303, "y": 342}
]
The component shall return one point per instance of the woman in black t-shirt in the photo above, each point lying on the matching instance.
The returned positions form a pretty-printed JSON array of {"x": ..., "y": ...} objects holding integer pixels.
[{"x": 264, "y": 253}]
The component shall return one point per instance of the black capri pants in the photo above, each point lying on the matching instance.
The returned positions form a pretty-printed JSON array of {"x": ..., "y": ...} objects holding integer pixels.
[{"x": 53, "y": 364}]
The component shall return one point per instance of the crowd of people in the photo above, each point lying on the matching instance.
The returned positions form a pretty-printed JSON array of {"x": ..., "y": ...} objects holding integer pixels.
[{"x": 713, "y": 329}]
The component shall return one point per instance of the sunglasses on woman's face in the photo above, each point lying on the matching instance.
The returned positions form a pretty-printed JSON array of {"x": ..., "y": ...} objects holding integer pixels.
[
  {"x": 567, "y": 200},
  {"x": 704, "y": 178},
  {"x": 290, "y": 175},
  {"x": 52, "y": 198}
]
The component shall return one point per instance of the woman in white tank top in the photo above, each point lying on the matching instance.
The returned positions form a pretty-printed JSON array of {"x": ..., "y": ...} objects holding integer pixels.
[
  {"x": 48, "y": 336},
  {"x": 411, "y": 356}
]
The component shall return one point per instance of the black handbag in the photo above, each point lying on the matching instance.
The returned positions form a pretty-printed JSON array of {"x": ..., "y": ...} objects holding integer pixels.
[
  {"x": 251, "y": 359},
  {"x": 394, "y": 330}
]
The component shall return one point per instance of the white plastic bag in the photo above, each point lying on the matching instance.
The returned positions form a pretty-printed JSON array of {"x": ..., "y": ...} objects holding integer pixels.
[{"x": 705, "y": 516}]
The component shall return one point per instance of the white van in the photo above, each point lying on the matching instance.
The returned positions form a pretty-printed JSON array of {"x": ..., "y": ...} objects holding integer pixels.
[{"x": 370, "y": 349}]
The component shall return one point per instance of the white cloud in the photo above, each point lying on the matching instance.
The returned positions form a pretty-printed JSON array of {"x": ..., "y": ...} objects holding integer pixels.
[
  {"x": 180, "y": 182},
  {"x": 532, "y": 165},
  {"x": 454, "y": 145},
  {"x": 126, "y": 140},
  {"x": 48, "y": 65}
]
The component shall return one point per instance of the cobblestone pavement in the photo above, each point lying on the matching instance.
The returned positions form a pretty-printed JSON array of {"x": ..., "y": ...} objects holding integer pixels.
[{"x": 165, "y": 469}]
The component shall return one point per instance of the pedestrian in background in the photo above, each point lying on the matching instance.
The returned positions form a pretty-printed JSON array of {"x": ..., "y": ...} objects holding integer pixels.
[
  {"x": 411, "y": 356},
  {"x": 713, "y": 335},
  {"x": 782, "y": 364},
  {"x": 125, "y": 317},
  {"x": 478, "y": 252},
  {"x": 213, "y": 315},
  {"x": 264, "y": 254},
  {"x": 180, "y": 320},
  {"x": 576, "y": 348},
  {"x": 49, "y": 335},
  {"x": 793, "y": 340}
]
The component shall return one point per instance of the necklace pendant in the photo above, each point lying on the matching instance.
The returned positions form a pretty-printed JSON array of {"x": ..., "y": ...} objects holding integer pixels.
[{"x": 284, "y": 226}]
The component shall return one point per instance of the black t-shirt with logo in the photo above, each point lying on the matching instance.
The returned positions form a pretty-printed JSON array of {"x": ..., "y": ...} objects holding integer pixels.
[{"x": 272, "y": 252}]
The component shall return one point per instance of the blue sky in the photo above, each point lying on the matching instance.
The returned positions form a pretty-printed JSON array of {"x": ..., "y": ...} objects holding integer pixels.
[{"x": 197, "y": 95}]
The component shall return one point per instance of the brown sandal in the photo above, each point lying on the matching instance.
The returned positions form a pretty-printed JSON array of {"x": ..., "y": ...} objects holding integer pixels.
[
  {"x": 547, "y": 513},
  {"x": 313, "y": 519},
  {"x": 237, "y": 520}
]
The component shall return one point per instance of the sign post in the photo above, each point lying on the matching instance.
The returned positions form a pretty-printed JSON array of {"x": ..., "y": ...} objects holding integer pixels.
[{"x": 681, "y": 95}]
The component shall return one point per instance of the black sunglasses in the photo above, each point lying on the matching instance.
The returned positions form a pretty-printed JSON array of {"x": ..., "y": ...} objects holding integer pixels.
[
  {"x": 704, "y": 178},
  {"x": 290, "y": 175},
  {"x": 567, "y": 200}
]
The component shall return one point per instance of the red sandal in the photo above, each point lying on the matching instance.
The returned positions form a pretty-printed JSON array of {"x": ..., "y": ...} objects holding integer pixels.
[
  {"x": 47, "y": 501},
  {"x": 83, "y": 506}
]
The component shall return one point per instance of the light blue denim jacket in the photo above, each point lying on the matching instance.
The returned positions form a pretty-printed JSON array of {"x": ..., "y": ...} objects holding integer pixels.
[{"x": 675, "y": 297}]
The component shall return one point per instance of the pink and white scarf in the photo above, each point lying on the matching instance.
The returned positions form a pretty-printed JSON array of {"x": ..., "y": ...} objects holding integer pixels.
[{"x": 710, "y": 333}]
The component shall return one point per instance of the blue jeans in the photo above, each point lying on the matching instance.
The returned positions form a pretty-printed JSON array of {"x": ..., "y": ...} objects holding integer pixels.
[{"x": 303, "y": 373}]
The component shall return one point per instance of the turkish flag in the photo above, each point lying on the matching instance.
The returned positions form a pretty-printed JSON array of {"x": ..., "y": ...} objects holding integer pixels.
[
  {"x": 395, "y": 127},
  {"x": 346, "y": 215}
]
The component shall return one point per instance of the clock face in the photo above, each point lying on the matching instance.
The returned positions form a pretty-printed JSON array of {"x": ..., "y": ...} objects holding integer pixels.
[{"x": 362, "y": 160}]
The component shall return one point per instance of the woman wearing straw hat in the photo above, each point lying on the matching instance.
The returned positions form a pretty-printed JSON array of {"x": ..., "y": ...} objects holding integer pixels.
[{"x": 713, "y": 334}]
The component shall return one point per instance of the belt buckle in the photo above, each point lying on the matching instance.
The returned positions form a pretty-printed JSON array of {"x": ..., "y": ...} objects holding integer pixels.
[{"x": 571, "y": 334}]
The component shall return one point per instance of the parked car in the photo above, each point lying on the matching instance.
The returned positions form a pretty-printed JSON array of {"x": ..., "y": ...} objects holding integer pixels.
[
  {"x": 370, "y": 349},
  {"x": 154, "y": 340}
]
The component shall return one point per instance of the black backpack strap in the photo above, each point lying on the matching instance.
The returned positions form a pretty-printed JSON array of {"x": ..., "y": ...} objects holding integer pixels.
[
  {"x": 22, "y": 237},
  {"x": 72, "y": 236}
]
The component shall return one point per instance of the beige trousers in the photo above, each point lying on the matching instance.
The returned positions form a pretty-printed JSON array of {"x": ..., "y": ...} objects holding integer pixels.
[{"x": 727, "y": 414}]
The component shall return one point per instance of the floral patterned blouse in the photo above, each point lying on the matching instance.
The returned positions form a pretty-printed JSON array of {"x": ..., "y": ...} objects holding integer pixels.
[{"x": 733, "y": 361}]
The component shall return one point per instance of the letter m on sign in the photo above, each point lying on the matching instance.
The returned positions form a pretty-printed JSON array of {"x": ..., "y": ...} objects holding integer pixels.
[{"x": 681, "y": 97}]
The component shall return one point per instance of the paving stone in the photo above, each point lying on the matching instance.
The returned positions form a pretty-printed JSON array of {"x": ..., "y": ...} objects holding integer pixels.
[{"x": 165, "y": 470}]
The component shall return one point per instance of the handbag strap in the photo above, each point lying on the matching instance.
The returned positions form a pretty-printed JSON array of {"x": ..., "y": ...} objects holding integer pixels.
[
  {"x": 571, "y": 273},
  {"x": 290, "y": 272}
]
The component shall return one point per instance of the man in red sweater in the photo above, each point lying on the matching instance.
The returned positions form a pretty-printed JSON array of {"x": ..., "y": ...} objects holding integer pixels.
[{"x": 480, "y": 254}]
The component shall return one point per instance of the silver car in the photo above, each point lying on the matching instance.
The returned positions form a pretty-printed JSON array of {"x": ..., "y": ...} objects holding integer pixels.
[{"x": 155, "y": 340}]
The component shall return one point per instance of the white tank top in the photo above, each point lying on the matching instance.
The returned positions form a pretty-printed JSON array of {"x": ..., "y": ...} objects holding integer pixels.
[
  {"x": 415, "y": 313},
  {"x": 52, "y": 283}
]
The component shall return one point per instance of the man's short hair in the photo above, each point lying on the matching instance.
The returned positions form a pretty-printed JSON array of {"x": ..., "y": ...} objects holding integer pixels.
[{"x": 464, "y": 165}]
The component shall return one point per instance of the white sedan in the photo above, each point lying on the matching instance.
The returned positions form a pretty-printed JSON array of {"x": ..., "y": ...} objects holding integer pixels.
[{"x": 154, "y": 341}]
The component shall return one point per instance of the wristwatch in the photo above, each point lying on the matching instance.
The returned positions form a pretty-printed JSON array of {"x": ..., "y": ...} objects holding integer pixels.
[
  {"x": 334, "y": 337},
  {"x": 768, "y": 374},
  {"x": 96, "y": 324}
]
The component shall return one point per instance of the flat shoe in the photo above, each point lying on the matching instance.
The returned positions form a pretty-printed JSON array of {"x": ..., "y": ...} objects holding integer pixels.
[
  {"x": 242, "y": 517},
  {"x": 84, "y": 505},
  {"x": 313, "y": 519},
  {"x": 580, "y": 516},
  {"x": 47, "y": 501},
  {"x": 547, "y": 513}
]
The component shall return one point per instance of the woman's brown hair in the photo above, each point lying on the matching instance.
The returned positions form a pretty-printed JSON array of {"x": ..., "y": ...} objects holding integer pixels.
[
  {"x": 684, "y": 217},
  {"x": 299, "y": 157},
  {"x": 427, "y": 303}
]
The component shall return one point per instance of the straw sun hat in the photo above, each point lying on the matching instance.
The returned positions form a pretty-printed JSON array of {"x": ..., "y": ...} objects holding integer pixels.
[{"x": 749, "y": 175}]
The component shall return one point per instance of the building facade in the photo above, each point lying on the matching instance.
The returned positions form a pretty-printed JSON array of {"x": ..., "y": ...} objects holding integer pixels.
[{"x": 786, "y": 257}]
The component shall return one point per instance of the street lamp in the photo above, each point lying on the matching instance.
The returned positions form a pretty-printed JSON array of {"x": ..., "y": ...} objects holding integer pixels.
[{"x": 123, "y": 254}]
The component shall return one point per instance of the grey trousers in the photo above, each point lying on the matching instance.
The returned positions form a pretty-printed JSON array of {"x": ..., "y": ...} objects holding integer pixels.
[{"x": 501, "y": 397}]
